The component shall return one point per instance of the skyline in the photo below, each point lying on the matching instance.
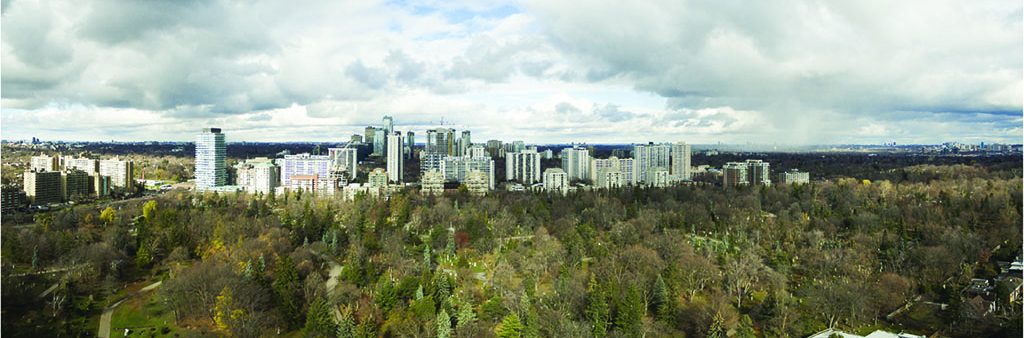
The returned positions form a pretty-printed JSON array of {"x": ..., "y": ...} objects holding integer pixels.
[{"x": 795, "y": 73}]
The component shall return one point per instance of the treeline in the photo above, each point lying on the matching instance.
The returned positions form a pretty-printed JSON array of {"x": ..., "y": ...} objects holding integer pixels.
[{"x": 681, "y": 262}]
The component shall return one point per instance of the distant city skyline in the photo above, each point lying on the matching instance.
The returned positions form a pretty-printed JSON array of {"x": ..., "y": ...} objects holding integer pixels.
[{"x": 790, "y": 73}]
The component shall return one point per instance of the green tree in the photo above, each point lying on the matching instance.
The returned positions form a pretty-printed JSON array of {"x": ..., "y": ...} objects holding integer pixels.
[
  {"x": 149, "y": 210},
  {"x": 597, "y": 310},
  {"x": 745, "y": 328},
  {"x": 717, "y": 329},
  {"x": 107, "y": 215},
  {"x": 142, "y": 256},
  {"x": 531, "y": 324},
  {"x": 630, "y": 312},
  {"x": 385, "y": 295},
  {"x": 286, "y": 288},
  {"x": 465, "y": 318},
  {"x": 510, "y": 327},
  {"x": 661, "y": 300},
  {"x": 444, "y": 324},
  {"x": 318, "y": 320},
  {"x": 347, "y": 325}
]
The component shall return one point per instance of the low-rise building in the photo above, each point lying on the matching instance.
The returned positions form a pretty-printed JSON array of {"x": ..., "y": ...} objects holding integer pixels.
[
  {"x": 432, "y": 183},
  {"x": 794, "y": 176},
  {"x": 478, "y": 183},
  {"x": 258, "y": 175}
]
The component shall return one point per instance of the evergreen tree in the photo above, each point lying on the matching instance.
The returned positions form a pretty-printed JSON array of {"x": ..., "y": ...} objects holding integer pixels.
[
  {"x": 142, "y": 257},
  {"x": 510, "y": 327},
  {"x": 450, "y": 246},
  {"x": 318, "y": 320},
  {"x": 286, "y": 288},
  {"x": 444, "y": 325},
  {"x": 385, "y": 295},
  {"x": 465, "y": 317},
  {"x": 347, "y": 325},
  {"x": 597, "y": 310},
  {"x": 745, "y": 328},
  {"x": 531, "y": 324},
  {"x": 630, "y": 312},
  {"x": 662, "y": 300},
  {"x": 717, "y": 329}
]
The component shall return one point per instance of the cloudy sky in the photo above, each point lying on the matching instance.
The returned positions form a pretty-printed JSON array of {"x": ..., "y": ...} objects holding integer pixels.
[{"x": 785, "y": 71}]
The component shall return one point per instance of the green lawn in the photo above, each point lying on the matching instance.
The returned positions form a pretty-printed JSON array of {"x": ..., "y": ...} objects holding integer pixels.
[{"x": 144, "y": 314}]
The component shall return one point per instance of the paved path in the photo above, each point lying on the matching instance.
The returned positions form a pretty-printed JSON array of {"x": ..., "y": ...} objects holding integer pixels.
[
  {"x": 108, "y": 313},
  {"x": 54, "y": 287}
]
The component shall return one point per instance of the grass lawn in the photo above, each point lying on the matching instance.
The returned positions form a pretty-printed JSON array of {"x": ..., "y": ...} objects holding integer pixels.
[{"x": 147, "y": 317}]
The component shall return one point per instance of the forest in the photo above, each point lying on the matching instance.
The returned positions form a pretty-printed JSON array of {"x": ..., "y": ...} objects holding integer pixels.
[{"x": 688, "y": 261}]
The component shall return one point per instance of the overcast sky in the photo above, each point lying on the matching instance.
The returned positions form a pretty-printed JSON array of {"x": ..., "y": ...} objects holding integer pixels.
[{"x": 785, "y": 72}]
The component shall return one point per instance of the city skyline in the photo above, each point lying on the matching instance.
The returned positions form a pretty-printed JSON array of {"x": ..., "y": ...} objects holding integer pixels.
[{"x": 796, "y": 73}]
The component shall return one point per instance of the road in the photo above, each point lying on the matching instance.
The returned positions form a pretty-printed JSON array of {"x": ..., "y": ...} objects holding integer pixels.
[{"x": 108, "y": 313}]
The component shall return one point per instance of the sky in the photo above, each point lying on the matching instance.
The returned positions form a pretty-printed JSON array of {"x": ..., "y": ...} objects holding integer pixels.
[{"x": 761, "y": 72}]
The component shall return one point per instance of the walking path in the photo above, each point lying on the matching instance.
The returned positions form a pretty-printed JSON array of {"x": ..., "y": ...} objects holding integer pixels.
[{"x": 108, "y": 313}]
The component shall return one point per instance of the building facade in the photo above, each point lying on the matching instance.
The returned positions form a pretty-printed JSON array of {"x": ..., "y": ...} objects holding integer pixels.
[
  {"x": 794, "y": 176},
  {"x": 758, "y": 172},
  {"x": 42, "y": 187},
  {"x": 556, "y": 180},
  {"x": 478, "y": 183},
  {"x": 647, "y": 156},
  {"x": 680, "y": 168},
  {"x": 345, "y": 160},
  {"x": 621, "y": 170},
  {"x": 432, "y": 183},
  {"x": 88, "y": 165},
  {"x": 576, "y": 163},
  {"x": 121, "y": 173},
  {"x": 523, "y": 166},
  {"x": 304, "y": 164},
  {"x": 44, "y": 163},
  {"x": 75, "y": 184},
  {"x": 258, "y": 175},
  {"x": 396, "y": 157},
  {"x": 458, "y": 168},
  {"x": 211, "y": 149},
  {"x": 735, "y": 174}
]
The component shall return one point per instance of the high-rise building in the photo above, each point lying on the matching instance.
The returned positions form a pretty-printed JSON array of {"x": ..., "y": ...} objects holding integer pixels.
[
  {"x": 658, "y": 177},
  {"x": 369, "y": 134},
  {"x": 734, "y": 174},
  {"x": 258, "y": 175},
  {"x": 794, "y": 176},
  {"x": 379, "y": 142},
  {"x": 44, "y": 163},
  {"x": 478, "y": 183},
  {"x": 439, "y": 146},
  {"x": 576, "y": 163},
  {"x": 121, "y": 172},
  {"x": 396, "y": 158},
  {"x": 647, "y": 156},
  {"x": 12, "y": 198},
  {"x": 432, "y": 183},
  {"x": 556, "y": 180},
  {"x": 680, "y": 168},
  {"x": 304, "y": 164},
  {"x": 88, "y": 165},
  {"x": 523, "y": 166},
  {"x": 457, "y": 168},
  {"x": 356, "y": 138},
  {"x": 464, "y": 143},
  {"x": 494, "y": 147},
  {"x": 477, "y": 151},
  {"x": 758, "y": 173},
  {"x": 612, "y": 172},
  {"x": 378, "y": 178},
  {"x": 75, "y": 184},
  {"x": 344, "y": 160},
  {"x": 389, "y": 124},
  {"x": 410, "y": 143},
  {"x": 211, "y": 149},
  {"x": 100, "y": 185},
  {"x": 42, "y": 187}
]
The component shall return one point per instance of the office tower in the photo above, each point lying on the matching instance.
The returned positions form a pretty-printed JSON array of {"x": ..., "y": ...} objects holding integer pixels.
[
  {"x": 464, "y": 143},
  {"x": 437, "y": 148},
  {"x": 258, "y": 175},
  {"x": 211, "y": 171},
  {"x": 478, "y": 182},
  {"x": 547, "y": 154},
  {"x": 100, "y": 185},
  {"x": 75, "y": 184},
  {"x": 356, "y": 138},
  {"x": 477, "y": 151},
  {"x": 432, "y": 183},
  {"x": 42, "y": 187},
  {"x": 620, "y": 170},
  {"x": 410, "y": 143},
  {"x": 680, "y": 168},
  {"x": 378, "y": 178},
  {"x": 12, "y": 198},
  {"x": 556, "y": 180},
  {"x": 659, "y": 177},
  {"x": 523, "y": 166},
  {"x": 794, "y": 176},
  {"x": 650, "y": 156},
  {"x": 758, "y": 173},
  {"x": 734, "y": 174},
  {"x": 344, "y": 160},
  {"x": 576, "y": 163},
  {"x": 494, "y": 148},
  {"x": 518, "y": 146},
  {"x": 44, "y": 163},
  {"x": 396, "y": 158},
  {"x": 369, "y": 134},
  {"x": 457, "y": 168},
  {"x": 121, "y": 172},
  {"x": 379, "y": 142},
  {"x": 389, "y": 125},
  {"x": 88, "y": 165},
  {"x": 303, "y": 164}
]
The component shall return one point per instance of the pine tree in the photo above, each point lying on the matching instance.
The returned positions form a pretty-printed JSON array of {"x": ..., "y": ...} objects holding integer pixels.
[
  {"x": 318, "y": 319},
  {"x": 531, "y": 324},
  {"x": 661, "y": 302},
  {"x": 385, "y": 295},
  {"x": 631, "y": 312},
  {"x": 444, "y": 325},
  {"x": 717, "y": 329},
  {"x": 286, "y": 287},
  {"x": 597, "y": 308},
  {"x": 142, "y": 257},
  {"x": 465, "y": 317},
  {"x": 510, "y": 327},
  {"x": 426, "y": 258},
  {"x": 745, "y": 328},
  {"x": 450, "y": 246},
  {"x": 347, "y": 325}
]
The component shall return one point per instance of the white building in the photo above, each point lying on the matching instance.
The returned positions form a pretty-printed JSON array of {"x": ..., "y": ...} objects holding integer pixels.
[
  {"x": 211, "y": 171},
  {"x": 659, "y": 177},
  {"x": 345, "y": 160},
  {"x": 523, "y": 166},
  {"x": 735, "y": 174},
  {"x": 304, "y": 164},
  {"x": 576, "y": 163},
  {"x": 457, "y": 168},
  {"x": 612, "y": 172},
  {"x": 647, "y": 156},
  {"x": 258, "y": 175},
  {"x": 464, "y": 143},
  {"x": 396, "y": 158},
  {"x": 432, "y": 183},
  {"x": 477, "y": 150},
  {"x": 121, "y": 172},
  {"x": 44, "y": 163},
  {"x": 378, "y": 178},
  {"x": 556, "y": 180},
  {"x": 313, "y": 183},
  {"x": 795, "y": 176},
  {"x": 88, "y": 165},
  {"x": 478, "y": 182},
  {"x": 681, "y": 154}
]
